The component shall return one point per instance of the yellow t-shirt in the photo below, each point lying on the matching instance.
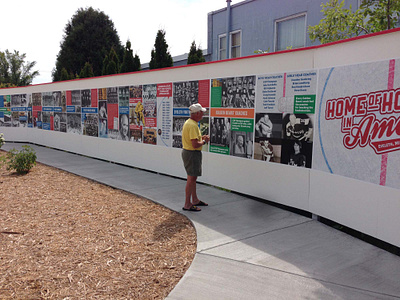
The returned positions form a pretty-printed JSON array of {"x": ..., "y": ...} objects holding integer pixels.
[{"x": 190, "y": 131}]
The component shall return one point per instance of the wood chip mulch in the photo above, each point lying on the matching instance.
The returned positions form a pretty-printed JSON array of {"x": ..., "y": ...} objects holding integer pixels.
[{"x": 65, "y": 237}]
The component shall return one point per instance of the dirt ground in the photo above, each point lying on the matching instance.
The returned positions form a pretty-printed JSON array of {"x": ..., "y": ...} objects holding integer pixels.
[{"x": 65, "y": 237}]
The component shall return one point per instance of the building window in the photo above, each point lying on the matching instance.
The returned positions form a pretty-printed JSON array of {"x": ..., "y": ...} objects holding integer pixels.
[
  {"x": 234, "y": 42},
  {"x": 290, "y": 32},
  {"x": 222, "y": 47}
]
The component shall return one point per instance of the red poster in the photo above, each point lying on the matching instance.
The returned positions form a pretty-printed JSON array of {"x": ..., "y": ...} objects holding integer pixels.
[
  {"x": 204, "y": 92},
  {"x": 164, "y": 90},
  {"x": 69, "y": 98},
  {"x": 94, "y": 98},
  {"x": 51, "y": 122},
  {"x": 112, "y": 110}
]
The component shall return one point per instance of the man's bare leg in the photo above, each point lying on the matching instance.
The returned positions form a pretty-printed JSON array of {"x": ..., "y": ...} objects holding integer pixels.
[{"x": 190, "y": 192}]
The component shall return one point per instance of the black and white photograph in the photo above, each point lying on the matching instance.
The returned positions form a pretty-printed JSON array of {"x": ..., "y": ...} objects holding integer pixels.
[
  {"x": 241, "y": 144},
  {"x": 149, "y": 92},
  {"x": 268, "y": 150},
  {"x": 59, "y": 121},
  {"x": 90, "y": 124},
  {"x": 177, "y": 141},
  {"x": 186, "y": 93},
  {"x": 112, "y": 95},
  {"x": 15, "y": 119},
  {"x": 47, "y": 99},
  {"x": 123, "y": 127},
  {"x": 74, "y": 123},
  {"x": 86, "y": 98},
  {"x": 238, "y": 92},
  {"x": 76, "y": 100},
  {"x": 298, "y": 127},
  {"x": 20, "y": 100},
  {"x": 220, "y": 131},
  {"x": 47, "y": 120},
  {"x": 268, "y": 125},
  {"x": 57, "y": 99},
  {"x": 123, "y": 95},
  {"x": 177, "y": 125},
  {"x": 103, "y": 109},
  {"x": 296, "y": 153}
]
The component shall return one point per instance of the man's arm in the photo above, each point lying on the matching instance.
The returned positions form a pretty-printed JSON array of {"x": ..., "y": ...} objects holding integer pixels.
[{"x": 204, "y": 140}]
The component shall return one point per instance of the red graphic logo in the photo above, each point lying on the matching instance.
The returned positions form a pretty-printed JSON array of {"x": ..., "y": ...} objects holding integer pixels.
[{"x": 364, "y": 122}]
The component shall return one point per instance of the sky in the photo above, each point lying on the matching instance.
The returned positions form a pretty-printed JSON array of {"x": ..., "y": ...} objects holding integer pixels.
[{"x": 36, "y": 28}]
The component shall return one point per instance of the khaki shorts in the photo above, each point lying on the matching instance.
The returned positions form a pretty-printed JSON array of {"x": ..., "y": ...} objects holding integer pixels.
[{"x": 192, "y": 161}]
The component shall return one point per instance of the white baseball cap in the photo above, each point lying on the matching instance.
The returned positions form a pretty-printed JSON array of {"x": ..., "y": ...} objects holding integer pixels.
[{"x": 194, "y": 108}]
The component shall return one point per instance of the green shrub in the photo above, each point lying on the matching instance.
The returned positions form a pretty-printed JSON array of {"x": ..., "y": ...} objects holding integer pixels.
[
  {"x": 2, "y": 140},
  {"x": 21, "y": 161}
]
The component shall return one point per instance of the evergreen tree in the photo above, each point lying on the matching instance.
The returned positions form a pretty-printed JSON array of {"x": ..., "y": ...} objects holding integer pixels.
[
  {"x": 89, "y": 36},
  {"x": 105, "y": 64},
  {"x": 64, "y": 75},
  {"x": 111, "y": 63},
  {"x": 160, "y": 56},
  {"x": 87, "y": 71},
  {"x": 195, "y": 55},
  {"x": 136, "y": 63},
  {"x": 128, "y": 62}
]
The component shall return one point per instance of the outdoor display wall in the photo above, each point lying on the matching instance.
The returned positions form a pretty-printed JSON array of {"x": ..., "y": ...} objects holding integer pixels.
[{"x": 322, "y": 138}]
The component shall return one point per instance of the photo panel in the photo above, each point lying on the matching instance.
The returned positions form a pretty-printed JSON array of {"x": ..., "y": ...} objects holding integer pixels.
[
  {"x": 268, "y": 150},
  {"x": 296, "y": 153},
  {"x": 60, "y": 122},
  {"x": 177, "y": 126},
  {"x": 90, "y": 124},
  {"x": 298, "y": 127},
  {"x": 268, "y": 125},
  {"x": 136, "y": 114},
  {"x": 123, "y": 134},
  {"x": 74, "y": 123}
]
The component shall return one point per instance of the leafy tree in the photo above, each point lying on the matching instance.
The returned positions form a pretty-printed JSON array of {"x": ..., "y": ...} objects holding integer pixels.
[
  {"x": 160, "y": 56},
  {"x": 382, "y": 14},
  {"x": 87, "y": 71},
  {"x": 195, "y": 55},
  {"x": 341, "y": 23},
  {"x": 14, "y": 71},
  {"x": 88, "y": 37}
]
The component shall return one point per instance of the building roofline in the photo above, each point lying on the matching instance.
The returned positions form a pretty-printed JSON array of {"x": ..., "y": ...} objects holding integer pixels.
[{"x": 232, "y": 6}]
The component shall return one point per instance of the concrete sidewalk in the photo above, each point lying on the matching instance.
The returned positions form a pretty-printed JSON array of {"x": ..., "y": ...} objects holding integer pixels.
[{"x": 251, "y": 250}]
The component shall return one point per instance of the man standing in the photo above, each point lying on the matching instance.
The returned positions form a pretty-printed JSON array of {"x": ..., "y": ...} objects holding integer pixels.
[{"x": 192, "y": 142}]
